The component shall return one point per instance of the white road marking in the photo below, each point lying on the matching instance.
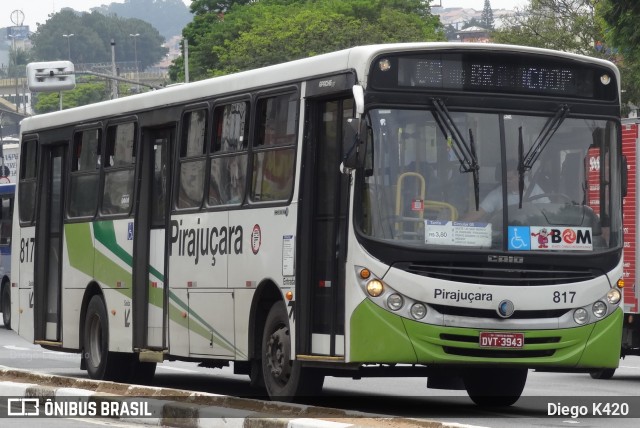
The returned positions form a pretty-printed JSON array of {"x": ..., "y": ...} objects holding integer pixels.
[{"x": 176, "y": 369}]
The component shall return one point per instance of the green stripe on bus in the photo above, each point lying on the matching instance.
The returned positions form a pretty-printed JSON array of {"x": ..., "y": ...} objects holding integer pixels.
[
  {"x": 109, "y": 273},
  {"x": 104, "y": 233}
]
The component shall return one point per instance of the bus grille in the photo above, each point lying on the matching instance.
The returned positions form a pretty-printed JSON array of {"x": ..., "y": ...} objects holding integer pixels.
[
  {"x": 498, "y": 353},
  {"x": 492, "y": 313},
  {"x": 480, "y": 273}
]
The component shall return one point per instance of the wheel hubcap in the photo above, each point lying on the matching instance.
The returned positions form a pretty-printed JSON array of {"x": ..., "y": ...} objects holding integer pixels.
[{"x": 277, "y": 355}]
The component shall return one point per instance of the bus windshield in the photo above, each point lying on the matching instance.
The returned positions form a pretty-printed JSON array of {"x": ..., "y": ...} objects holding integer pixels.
[{"x": 437, "y": 179}]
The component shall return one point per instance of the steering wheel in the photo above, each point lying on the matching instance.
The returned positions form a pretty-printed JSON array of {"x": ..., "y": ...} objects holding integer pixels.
[{"x": 553, "y": 197}]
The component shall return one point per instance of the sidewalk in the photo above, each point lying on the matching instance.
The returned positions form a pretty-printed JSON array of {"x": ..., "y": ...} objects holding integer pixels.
[{"x": 178, "y": 408}]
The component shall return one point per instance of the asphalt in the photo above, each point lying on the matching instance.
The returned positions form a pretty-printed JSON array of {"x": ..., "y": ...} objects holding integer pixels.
[{"x": 177, "y": 408}]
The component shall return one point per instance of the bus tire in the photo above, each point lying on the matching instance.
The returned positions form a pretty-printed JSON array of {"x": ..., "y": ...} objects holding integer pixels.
[
  {"x": 6, "y": 305},
  {"x": 602, "y": 374},
  {"x": 495, "y": 387},
  {"x": 100, "y": 363},
  {"x": 284, "y": 379}
]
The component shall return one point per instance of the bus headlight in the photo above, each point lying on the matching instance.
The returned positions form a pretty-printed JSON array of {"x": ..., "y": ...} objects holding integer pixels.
[
  {"x": 395, "y": 301},
  {"x": 375, "y": 287},
  {"x": 599, "y": 309},
  {"x": 614, "y": 296},
  {"x": 418, "y": 311},
  {"x": 581, "y": 316}
]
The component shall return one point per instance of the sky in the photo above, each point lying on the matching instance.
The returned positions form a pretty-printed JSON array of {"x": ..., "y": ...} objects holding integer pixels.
[{"x": 37, "y": 10}]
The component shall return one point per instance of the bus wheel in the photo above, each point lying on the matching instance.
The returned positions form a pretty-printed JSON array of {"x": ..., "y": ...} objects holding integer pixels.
[
  {"x": 284, "y": 379},
  {"x": 603, "y": 374},
  {"x": 6, "y": 305},
  {"x": 495, "y": 387},
  {"x": 100, "y": 363}
]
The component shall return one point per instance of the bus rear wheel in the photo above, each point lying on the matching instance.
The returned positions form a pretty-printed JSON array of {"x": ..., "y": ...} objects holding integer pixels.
[
  {"x": 6, "y": 305},
  {"x": 100, "y": 363},
  {"x": 495, "y": 387},
  {"x": 284, "y": 379}
]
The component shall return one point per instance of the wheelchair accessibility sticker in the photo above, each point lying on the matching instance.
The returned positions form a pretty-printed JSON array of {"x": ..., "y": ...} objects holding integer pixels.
[
  {"x": 519, "y": 238},
  {"x": 541, "y": 238}
]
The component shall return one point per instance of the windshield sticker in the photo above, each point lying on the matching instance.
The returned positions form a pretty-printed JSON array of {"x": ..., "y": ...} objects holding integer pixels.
[
  {"x": 417, "y": 205},
  {"x": 548, "y": 238},
  {"x": 464, "y": 234}
]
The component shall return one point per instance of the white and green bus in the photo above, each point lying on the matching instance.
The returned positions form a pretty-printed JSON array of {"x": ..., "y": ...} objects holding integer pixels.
[{"x": 350, "y": 214}]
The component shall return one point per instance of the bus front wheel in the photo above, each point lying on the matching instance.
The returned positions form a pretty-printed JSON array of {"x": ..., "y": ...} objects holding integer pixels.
[
  {"x": 603, "y": 374},
  {"x": 100, "y": 363},
  {"x": 495, "y": 387},
  {"x": 285, "y": 379},
  {"x": 6, "y": 305}
]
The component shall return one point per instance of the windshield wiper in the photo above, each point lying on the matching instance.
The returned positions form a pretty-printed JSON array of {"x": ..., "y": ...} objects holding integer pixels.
[
  {"x": 526, "y": 162},
  {"x": 464, "y": 152},
  {"x": 549, "y": 128}
]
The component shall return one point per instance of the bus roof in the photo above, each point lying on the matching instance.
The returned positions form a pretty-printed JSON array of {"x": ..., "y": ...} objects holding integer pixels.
[{"x": 356, "y": 58}]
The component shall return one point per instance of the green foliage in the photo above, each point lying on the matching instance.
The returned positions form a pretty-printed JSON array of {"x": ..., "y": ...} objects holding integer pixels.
[
  {"x": 620, "y": 18},
  {"x": 91, "y": 41},
  {"x": 84, "y": 93},
  {"x": 226, "y": 37}
]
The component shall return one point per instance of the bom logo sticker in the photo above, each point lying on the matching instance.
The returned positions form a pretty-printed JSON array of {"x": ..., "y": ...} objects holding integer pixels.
[{"x": 256, "y": 239}]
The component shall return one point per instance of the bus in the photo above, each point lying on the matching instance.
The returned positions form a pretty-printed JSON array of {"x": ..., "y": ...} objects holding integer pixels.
[
  {"x": 313, "y": 219},
  {"x": 8, "y": 167},
  {"x": 631, "y": 295}
]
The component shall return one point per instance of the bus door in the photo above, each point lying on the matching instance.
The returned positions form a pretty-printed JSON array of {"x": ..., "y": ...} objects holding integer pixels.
[
  {"x": 324, "y": 227},
  {"x": 48, "y": 252},
  {"x": 149, "y": 291}
]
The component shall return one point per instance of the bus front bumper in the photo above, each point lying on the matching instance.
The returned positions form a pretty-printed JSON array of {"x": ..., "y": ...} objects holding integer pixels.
[{"x": 379, "y": 336}]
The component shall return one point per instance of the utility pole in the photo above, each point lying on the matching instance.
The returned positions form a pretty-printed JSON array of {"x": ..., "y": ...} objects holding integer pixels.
[
  {"x": 114, "y": 88},
  {"x": 135, "y": 57}
]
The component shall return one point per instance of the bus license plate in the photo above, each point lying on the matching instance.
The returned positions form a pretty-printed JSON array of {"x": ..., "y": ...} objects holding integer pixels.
[{"x": 490, "y": 339}]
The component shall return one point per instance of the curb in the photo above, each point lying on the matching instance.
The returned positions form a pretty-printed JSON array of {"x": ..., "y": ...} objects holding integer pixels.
[{"x": 178, "y": 408}]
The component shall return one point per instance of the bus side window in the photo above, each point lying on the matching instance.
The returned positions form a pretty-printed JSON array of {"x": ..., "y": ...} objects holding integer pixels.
[
  {"x": 274, "y": 151},
  {"x": 6, "y": 214},
  {"x": 28, "y": 181},
  {"x": 228, "y": 171},
  {"x": 84, "y": 178},
  {"x": 192, "y": 160},
  {"x": 117, "y": 195}
]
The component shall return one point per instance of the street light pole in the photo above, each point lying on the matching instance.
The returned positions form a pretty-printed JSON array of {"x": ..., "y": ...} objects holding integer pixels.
[
  {"x": 135, "y": 55},
  {"x": 68, "y": 37},
  {"x": 15, "y": 68},
  {"x": 114, "y": 88}
]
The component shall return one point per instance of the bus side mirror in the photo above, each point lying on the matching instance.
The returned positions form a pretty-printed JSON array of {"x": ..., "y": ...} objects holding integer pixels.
[{"x": 351, "y": 143}]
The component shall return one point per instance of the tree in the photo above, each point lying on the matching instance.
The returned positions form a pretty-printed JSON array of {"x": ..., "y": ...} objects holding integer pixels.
[
  {"x": 225, "y": 37},
  {"x": 88, "y": 92},
  {"x": 620, "y": 18},
  {"x": 487, "y": 16},
  {"x": 91, "y": 41}
]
